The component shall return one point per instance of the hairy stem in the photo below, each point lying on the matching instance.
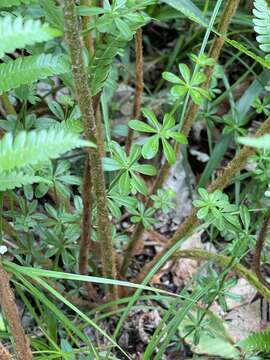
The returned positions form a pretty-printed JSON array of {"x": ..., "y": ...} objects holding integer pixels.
[
  {"x": 258, "y": 251},
  {"x": 190, "y": 117},
  {"x": 138, "y": 87},
  {"x": 9, "y": 308},
  {"x": 223, "y": 180},
  {"x": 84, "y": 98},
  {"x": 88, "y": 39}
]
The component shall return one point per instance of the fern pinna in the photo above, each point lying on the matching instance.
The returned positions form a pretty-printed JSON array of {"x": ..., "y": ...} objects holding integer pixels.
[
  {"x": 261, "y": 21},
  {"x": 19, "y": 152}
]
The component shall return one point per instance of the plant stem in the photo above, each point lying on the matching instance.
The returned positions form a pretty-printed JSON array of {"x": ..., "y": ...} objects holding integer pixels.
[
  {"x": 8, "y": 305},
  {"x": 88, "y": 39},
  {"x": 84, "y": 98},
  {"x": 223, "y": 180},
  {"x": 258, "y": 251},
  {"x": 139, "y": 85}
]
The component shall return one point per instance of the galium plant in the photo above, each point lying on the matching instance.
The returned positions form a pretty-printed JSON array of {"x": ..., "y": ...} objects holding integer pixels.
[{"x": 75, "y": 200}]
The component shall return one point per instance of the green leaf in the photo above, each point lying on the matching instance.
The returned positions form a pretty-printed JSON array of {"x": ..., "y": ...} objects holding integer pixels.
[
  {"x": 12, "y": 179},
  {"x": 151, "y": 117},
  {"x": 89, "y": 11},
  {"x": 138, "y": 125},
  {"x": 180, "y": 138},
  {"x": 16, "y": 33},
  {"x": 138, "y": 184},
  {"x": 185, "y": 72},
  {"x": 124, "y": 29},
  {"x": 145, "y": 169},
  {"x": 168, "y": 121},
  {"x": 168, "y": 152},
  {"x": 150, "y": 148},
  {"x": 53, "y": 14},
  {"x": 171, "y": 77},
  {"x": 124, "y": 183},
  {"x": 9, "y": 3},
  {"x": 26, "y": 70},
  {"x": 29, "y": 148},
  {"x": 179, "y": 90},
  {"x": 262, "y": 142},
  {"x": 110, "y": 164}
]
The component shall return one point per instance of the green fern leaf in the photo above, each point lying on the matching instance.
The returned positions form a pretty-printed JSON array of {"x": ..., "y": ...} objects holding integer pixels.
[
  {"x": 15, "y": 32},
  {"x": 53, "y": 14},
  {"x": 257, "y": 342},
  {"x": 74, "y": 126},
  {"x": 11, "y": 179},
  {"x": 101, "y": 64},
  {"x": 261, "y": 23},
  {"x": 26, "y": 70},
  {"x": 9, "y": 3},
  {"x": 29, "y": 148}
]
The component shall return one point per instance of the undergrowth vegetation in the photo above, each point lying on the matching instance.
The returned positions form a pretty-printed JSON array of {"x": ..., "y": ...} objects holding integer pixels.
[{"x": 134, "y": 178}]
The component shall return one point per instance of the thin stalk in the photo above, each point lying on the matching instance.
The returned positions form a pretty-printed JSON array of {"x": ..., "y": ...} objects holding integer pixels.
[
  {"x": 138, "y": 87},
  {"x": 9, "y": 307},
  {"x": 222, "y": 181},
  {"x": 85, "y": 101},
  {"x": 87, "y": 198}
]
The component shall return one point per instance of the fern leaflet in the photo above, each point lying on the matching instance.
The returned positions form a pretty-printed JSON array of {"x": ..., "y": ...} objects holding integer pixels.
[
  {"x": 26, "y": 70},
  {"x": 12, "y": 179},
  {"x": 29, "y": 148},
  {"x": 9, "y": 3},
  {"x": 17, "y": 33},
  {"x": 261, "y": 23},
  {"x": 258, "y": 341}
]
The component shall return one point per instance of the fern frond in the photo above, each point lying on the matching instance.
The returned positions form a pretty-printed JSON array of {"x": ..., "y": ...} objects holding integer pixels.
[
  {"x": 74, "y": 126},
  {"x": 15, "y": 33},
  {"x": 29, "y": 148},
  {"x": 9, "y": 3},
  {"x": 261, "y": 23},
  {"x": 101, "y": 64},
  {"x": 26, "y": 70},
  {"x": 258, "y": 341},
  {"x": 11, "y": 179},
  {"x": 53, "y": 13}
]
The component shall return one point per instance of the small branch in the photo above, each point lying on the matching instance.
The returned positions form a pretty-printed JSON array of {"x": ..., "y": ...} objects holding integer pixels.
[
  {"x": 139, "y": 85},
  {"x": 222, "y": 181},
  {"x": 85, "y": 242},
  {"x": 9, "y": 307},
  {"x": 192, "y": 111},
  {"x": 85, "y": 101},
  {"x": 258, "y": 251},
  {"x": 88, "y": 39}
]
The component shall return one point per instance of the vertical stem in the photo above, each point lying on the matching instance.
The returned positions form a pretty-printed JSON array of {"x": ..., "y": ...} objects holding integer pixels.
[
  {"x": 8, "y": 305},
  {"x": 84, "y": 98},
  {"x": 139, "y": 85},
  {"x": 88, "y": 39}
]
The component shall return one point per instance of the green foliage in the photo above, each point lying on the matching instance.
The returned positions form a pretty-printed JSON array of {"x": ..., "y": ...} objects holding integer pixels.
[
  {"x": 53, "y": 14},
  {"x": 163, "y": 133},
  {"x": 163, "y": 200},
  {"x": 26, "y": 70},
  {"x": 261, "y": 24},
  {"x": 262, "y": 142},
  {"x": 216, "y": 209},
  {"x": 128, "y": 167},
  {"x": 25, "y": 148},
  {"x": 17, "y": 32},
  {"x": 190, "y": 84},
  {"x": 256, "y": 342},
  {"x": 9, "y": 3},
  {"x": 143, "y": 215},
  {"x": 12, "y": 179}
]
